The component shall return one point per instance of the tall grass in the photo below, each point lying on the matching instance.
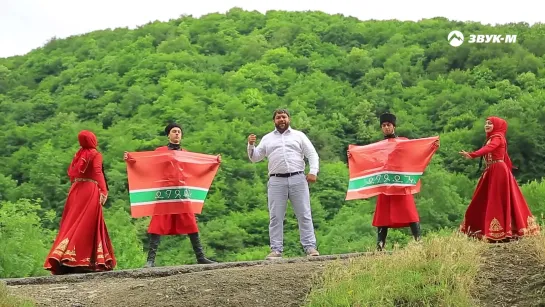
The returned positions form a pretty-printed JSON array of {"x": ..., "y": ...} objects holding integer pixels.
[
  {"x": 440, "y": 271},
  {"x": 537, "y": 243},
  {"x": 7, "y": 300}
]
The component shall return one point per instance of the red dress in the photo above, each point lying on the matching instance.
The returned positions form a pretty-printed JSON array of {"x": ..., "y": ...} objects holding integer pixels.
[
  {"x": 498, "y": 210},
  {"x": 173, "y": 224},
  {"x": 395, "y": 211},
  {"x": 83, "y": 241}
]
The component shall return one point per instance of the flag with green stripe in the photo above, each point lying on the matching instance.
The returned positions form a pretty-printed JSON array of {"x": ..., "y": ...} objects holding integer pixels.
[
  {"x": 391, "y": 167},
  {"x": 169, "y": 182}
]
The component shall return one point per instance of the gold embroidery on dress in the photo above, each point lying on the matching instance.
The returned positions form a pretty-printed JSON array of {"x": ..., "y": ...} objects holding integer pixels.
[
  {"x": 531, "y": 222},
  {"x": 100, "y": 251},
  {"x": 495, "y": 225},
  {"x": 488, "y": 156},
  {"x": 61, "y": 247},
  {"x": 71, "y": 252},
  {"x": 497, "y": 235},
  {"x": 70, "y": 259},
  {"x": 496, "y": 231},
  {"x": 532, "y": 225},
  {"x": 70, "y": 255}
]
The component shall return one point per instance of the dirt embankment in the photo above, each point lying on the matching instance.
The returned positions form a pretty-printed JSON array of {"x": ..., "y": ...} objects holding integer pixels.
[
  {"x": 511, "y": 275},
  {"x": 256, "y": 283}
]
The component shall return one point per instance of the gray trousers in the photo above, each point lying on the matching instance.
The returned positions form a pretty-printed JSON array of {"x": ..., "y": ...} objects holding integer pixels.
[{"x": 294, "y": 188}]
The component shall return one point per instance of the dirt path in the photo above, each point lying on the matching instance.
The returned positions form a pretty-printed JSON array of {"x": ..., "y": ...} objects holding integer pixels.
[
  {"x": 511, "y": 276},
  {"x": 266, "y": 283}
]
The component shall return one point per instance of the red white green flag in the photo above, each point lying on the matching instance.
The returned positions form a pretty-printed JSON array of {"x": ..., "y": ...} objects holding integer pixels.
[
  {"x": 391, "y": 167},
  {"x": 169, "y": 182}
]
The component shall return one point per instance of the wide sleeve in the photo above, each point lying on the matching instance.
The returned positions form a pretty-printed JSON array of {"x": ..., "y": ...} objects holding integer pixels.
[
  {"x": 98, "y": 175},
  {"x": 488, "y": 148}
]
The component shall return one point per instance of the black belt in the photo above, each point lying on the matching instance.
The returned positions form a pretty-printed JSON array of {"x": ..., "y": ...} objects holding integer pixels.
[{"x": 286, "y": 174}]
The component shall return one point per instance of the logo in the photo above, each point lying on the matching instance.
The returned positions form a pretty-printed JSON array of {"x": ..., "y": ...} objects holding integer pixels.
[{"x": 455, "y": 38}]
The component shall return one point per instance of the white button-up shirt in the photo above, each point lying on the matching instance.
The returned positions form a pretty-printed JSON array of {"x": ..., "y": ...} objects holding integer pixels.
[{"x": 285, "y": 152}]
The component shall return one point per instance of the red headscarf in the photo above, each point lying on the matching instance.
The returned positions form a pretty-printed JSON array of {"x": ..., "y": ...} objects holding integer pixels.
[
  {"x": 500, "y": 129},
  {"x": 88, "y": 142}
]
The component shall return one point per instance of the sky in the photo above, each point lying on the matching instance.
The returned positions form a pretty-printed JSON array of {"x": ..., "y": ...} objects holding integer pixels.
[{"x": 29, "y": 24}]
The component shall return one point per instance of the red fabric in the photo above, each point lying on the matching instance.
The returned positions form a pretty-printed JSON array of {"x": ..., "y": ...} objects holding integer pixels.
[
  {"x": 500, "y": 130},
  {"x": 83, "y": 241},
  {"x": 395, "y": 211},
  {"x": 372, "y": 167},
  {"x": 88, "y": 143},
  {"x": 498, "y": 210},
  {"x": 173, "y": 224}
]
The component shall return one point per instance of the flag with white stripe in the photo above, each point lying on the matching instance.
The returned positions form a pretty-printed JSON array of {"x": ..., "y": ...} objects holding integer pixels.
[
  {"x": 169, "y": 182},
  {"x": 391, "y": 167}
]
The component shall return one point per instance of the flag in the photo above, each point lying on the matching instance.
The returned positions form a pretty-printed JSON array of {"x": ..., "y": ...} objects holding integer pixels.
[
  {"x": 169, "y": 182},
  {"x": 391, "y": 167}
]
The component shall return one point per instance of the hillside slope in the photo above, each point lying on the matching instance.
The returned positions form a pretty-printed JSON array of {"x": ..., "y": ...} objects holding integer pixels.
[
  {"x": 221, "y": 76},
  {"x": 258, "y": 283},
  {"x": 510, "y": 274}
]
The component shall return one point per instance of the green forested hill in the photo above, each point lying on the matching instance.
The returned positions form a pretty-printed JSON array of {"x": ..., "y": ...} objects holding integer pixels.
[{"x": 221, "y": 76}]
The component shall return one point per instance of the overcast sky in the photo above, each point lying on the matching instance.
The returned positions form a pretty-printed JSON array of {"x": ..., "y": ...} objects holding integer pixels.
[{"x": 28, "y": 24}]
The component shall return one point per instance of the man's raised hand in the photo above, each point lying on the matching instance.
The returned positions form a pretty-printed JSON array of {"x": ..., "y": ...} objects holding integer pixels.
[{"x": 251, "y": 139}]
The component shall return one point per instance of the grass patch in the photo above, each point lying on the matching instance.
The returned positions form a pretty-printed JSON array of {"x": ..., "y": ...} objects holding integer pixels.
[
  {"x": 7, "y": 300},
  {"x": 537, "y": 243},
  {"x": 440, "y": 271}
]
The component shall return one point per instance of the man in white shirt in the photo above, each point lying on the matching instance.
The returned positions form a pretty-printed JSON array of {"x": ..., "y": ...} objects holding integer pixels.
[{"x": 285, "y": 149}]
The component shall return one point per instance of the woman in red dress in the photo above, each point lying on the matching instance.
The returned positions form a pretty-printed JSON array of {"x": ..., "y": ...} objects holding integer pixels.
[
  {"x": 82, "y": 244},
  {"x": 498, "y": 211}
]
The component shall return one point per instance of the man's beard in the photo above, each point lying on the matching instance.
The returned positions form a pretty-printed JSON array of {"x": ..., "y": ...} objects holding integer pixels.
[{"x": 280, "y": 129}]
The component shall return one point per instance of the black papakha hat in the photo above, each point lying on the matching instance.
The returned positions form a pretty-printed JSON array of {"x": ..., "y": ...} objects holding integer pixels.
[
  {"x": 388, "y": 118},
  {"x": 170, "y": 126}
]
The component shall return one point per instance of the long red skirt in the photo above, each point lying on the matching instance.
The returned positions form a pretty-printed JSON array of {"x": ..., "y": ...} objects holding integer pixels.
[
  {"x": 173, "y": 224},
  {"x": 83, "y": 243},
  {"x": 395, "y": 211},
  {"x": 498, "y": 210}
]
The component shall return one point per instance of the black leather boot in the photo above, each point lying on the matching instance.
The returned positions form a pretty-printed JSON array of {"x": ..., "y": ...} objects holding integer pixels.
[
  {"x": 197, "y": 248},
  {"x": 152, "y": 252},
  {"x": 382, "y": 232},
  {"x": 415, "y": 229}
]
